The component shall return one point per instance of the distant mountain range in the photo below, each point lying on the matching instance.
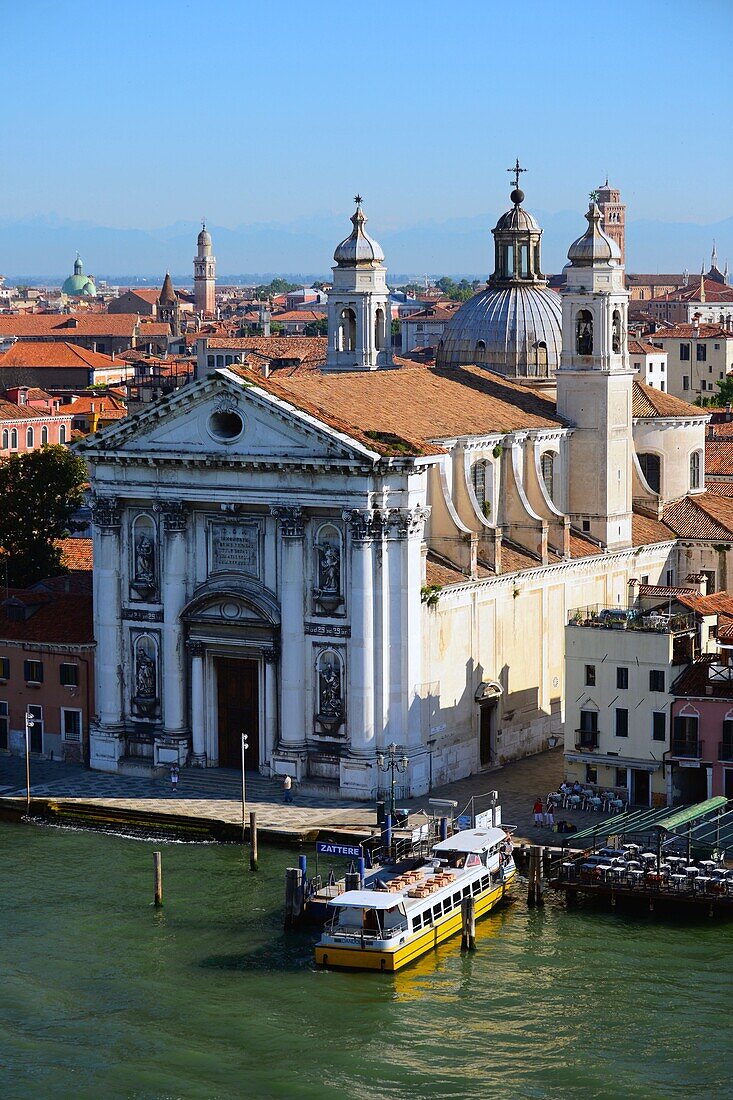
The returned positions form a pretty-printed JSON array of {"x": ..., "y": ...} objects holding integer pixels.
[{"x": 43, "y": 249}]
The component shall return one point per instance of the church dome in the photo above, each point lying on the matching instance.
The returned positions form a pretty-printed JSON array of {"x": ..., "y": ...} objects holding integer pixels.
[
  {"x": 358, "y": 249},
  {"x": 514, "y": 326},
  {"x": 204, "y": 237},
  {"x": 79, "y": 285},
  {"x": 595, "y": 246}
]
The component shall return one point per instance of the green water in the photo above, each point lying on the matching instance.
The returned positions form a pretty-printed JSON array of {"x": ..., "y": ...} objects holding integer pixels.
[{"x": 101, "y": 996}]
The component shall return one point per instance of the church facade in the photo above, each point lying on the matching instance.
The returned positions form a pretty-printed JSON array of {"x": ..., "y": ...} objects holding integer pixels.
[{"x": 329, "y": 561}]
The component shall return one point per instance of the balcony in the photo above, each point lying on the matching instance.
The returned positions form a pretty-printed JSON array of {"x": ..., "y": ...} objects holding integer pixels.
[
  {"x": 631, "y": 618},
  {"x": 725, "y": 750},
  {"x": 688, "y": 748},
  {"x": 586, "y": 739}
]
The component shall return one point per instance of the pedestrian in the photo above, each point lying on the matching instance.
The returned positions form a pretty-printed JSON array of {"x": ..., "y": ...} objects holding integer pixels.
[
  {"x": 174, "y": 778},
  {"x": 537, "y": 811},
  {"x": 288, "y": 789},
  {"x": 549, "y": 815}
]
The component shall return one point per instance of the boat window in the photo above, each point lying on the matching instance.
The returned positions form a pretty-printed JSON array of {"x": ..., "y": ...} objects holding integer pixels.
[
  {"x": 456, "y": 859},
  {"x": 437, "y": 910},
  {"x": 476, "y": 886},
  {"x": 486, "y": 881},
  {"x": 457, "y": 898},
  {"x": 427, "y": 917},
  {"x": 466, "y": 891},
  {"x": 417, "y": 922},
  {"x": 371, "y": 920},
  {"x": 473, "y": 860},
  {"x": 350, "y": 917}
]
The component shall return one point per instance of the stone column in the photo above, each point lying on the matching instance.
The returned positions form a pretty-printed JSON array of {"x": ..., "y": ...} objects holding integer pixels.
[
  {"x": 413, "y": 525},
  {"x": 173, "y": 692},
  {"x": 360, "y": 693},
  {"x": 198, "y": 704},
  {"x": 270, "y": 657},
  {"x": 107, "y": 583},
  {"x": 292, "y": 637}
]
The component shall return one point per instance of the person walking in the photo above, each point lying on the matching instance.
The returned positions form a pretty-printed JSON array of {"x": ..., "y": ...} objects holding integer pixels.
[
  {"x": 549, "y": 815},
  {"x": 288, "y": 789},
  {"x": 174, "y": 778},
  {"x": 537, "y": 811}
]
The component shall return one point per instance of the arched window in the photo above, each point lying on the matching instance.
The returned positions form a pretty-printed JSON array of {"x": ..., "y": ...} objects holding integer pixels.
[
  {"x": 509, "y": 260},
  {"x": 480, "y": 351},
  {"x": 347, "y": 330},
  {"x": 524, "y": 260},
  {"x": 651, "y": 469},
  {"x": 695, "y": 469},
  {"x": 547, "y": 465},
  {"x": 616, "y": 332},
  {"x": 62, "y": 434},
  {"x": 29, "y": 438},
  {"x": 44, "y": 436},
  {"x": 483, "y": 486},
  {"x": 6, "y": 439},
  {"x": 584, "y": 332},
  {"x": 379, "y": 329},
  {"x": 14, "y": 440},
  {"x": 541, "y": 359}
]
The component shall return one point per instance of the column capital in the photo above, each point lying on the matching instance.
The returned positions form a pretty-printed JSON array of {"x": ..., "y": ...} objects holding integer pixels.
[
  {"x": 365, "y": 525},
  {"x": 105, "y": 512},
  {"x": 271, "y": 654},
  {"x": 175, "y": 515},
  {"x": 292, "y": 520},
  {"x": 406, "y": 523},
  {"x": 195, "y": 648}
]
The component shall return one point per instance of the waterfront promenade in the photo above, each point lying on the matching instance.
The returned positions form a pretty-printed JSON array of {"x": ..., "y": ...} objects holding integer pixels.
[{"x": 214, "y": 795}]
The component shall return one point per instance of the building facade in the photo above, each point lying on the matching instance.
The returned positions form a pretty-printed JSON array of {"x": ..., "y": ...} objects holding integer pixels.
[{"x": 204, "y": 275}]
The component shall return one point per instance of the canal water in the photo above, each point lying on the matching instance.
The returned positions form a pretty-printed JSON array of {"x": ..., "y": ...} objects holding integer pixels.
[{"x": 102, "y": 996}]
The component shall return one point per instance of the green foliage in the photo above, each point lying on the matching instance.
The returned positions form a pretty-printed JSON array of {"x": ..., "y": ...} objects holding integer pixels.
[
  {"x": 277, "y": 286},
  {"x": 724, "y": 396},
  {"x": 498, "y": 451},
  {"x": 40, "y": 492},
  {"x": 457, "y": 292},
  {"x": 317, "y": 328},
  {"x": 430, "y": 594}
]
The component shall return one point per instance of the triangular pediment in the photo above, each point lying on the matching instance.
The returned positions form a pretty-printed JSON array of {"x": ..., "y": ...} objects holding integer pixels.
[{"x": 223, "y": 419}]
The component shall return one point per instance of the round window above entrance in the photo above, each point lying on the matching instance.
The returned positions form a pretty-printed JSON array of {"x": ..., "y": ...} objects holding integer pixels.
[{"x": 226, "y": 425}]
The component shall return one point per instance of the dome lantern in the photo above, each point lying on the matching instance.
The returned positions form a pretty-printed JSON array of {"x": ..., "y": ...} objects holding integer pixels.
[
  {"x": 595, "y": 246},
  {"x": 517, "y": 258},
  {"x": 358, "y": 249}
]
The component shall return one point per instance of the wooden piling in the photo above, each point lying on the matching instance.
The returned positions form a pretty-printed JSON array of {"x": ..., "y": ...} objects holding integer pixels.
[
  {"x": 352, "y": 880},
  {"x": 535, "y": 891},
  {"x": 293, "y": 897},
  {"x": 253, "y": 840},
  {"x": 158, "y": 879},
  {"x": 468, "y": 925}
]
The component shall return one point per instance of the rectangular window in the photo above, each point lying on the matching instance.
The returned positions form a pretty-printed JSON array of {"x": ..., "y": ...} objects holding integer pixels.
[
  {"x": 670, "y": 577},
  {"x": 656, "y": 679},
  {"x": 685, "y": 382},
  {"x": 622, "y": 678},
  {"x": 717, "y": 347},
  {"x": 702, "y": 353},
  {"x": 210, "y": 361},
  {"x": 622, "y": 722},
  {"x": 684, "y": 352},
  {"x": 710, "y": 575},
  {"x": 589, "y": 721},
  {"x": 4, "y": 723},
  {"x": 710, "y": 368},
  {"x": 70, "y": 724},
  {"x": 4, "y": 668},
  {"x": 590, "y": 675},
  {"x": 620, "y": 777},
  {"x": 659, "y": 725},
  {"x": 591, "y": 774},
  {"x": 69, "y": 675},
  {"x": 33, "y": 672}
]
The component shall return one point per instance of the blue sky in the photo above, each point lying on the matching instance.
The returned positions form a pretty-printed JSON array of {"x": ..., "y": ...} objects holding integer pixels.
[{"x": 145, "y": 114}]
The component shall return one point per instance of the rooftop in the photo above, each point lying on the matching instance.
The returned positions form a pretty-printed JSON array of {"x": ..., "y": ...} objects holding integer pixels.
[
  {"x": 631, "y": 618},
  {"x": 649, "y": 404}
]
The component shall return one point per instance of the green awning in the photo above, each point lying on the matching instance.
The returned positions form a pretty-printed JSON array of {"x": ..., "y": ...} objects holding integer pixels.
[{"x": 691, "y": 813}]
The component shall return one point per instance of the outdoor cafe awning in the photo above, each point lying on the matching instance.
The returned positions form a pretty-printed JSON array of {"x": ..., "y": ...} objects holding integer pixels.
[
  {"x": 645, "y": 819},
  {"x": 686, "y": 815}
]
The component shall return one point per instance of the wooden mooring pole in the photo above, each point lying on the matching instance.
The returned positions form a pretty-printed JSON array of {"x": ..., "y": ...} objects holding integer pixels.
[
  {"x": 158, "y": 878},
  {"x": 468, "y": 925},
  {"x": 253, "y": 840},
  {"x": 535, "y": 894},
  {"x": 293, "y": 897}
]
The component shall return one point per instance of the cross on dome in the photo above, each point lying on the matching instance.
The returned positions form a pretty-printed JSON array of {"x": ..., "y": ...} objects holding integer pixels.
[
  {"x": 515, "y": 171},
  {"x": 358, "y": 200}
]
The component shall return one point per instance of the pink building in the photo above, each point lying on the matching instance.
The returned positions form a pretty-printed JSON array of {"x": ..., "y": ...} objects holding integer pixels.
[
  {"x": 701, "y": 747},
  {"x": 31, "y": 418}
]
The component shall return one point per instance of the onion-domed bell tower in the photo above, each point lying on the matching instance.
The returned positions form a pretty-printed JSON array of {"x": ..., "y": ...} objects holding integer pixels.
[
  {"x": 204, "y": 274},
  {"x": 594, "y": 386},
  {"x": 359, "y": 314}
]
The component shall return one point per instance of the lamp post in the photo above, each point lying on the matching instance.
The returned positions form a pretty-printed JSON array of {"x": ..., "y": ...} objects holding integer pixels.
[
  {"x": 245, "y": 746},
  {"x": 29, "y": 724},
  {"x": 392, "y": 763}
]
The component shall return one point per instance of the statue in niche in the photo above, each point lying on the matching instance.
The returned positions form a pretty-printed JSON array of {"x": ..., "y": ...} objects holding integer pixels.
[
  {"x": 329, "y": 568},
  {"x": 144, "y": 560},
  {"x": 329, "y": 687},
  {"x": 145, "y": 676}
]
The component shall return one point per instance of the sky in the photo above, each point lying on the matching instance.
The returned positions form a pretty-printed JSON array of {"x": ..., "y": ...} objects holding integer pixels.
[{"x": 147, "y": 114}]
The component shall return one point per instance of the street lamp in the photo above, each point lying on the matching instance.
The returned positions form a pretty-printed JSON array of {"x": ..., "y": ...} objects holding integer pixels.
[
  {"x": 245, "y": 746},
  {"x": 392, "y": 763},
  {"x": 29, "y": 724}
]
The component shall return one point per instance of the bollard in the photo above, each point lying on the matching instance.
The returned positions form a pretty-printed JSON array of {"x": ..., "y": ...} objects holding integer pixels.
[
  {"x": 468, "y": 925},
  {"x": 362, "y": 868},
  {"x": 352, "y": 880},
  {"x": 158, "y": 879},
  {"x": 293, "y": 897},
  {"x": 540, "y": 892},
  {"x": 387, "y": 834},
  {"x": 444, "y": 828},
  {"x": 253, "y": 840},
  {"x": 534, "y": 888}
]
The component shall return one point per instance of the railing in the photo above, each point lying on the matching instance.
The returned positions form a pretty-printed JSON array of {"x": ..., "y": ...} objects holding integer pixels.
[
  {"x": 686, "y": 748},
  {"x": 630, "y": 618},
  {"x": 720, "y": 674},
  {"x": 587, "y": 739},
  {"x": 725, "y": 750}
]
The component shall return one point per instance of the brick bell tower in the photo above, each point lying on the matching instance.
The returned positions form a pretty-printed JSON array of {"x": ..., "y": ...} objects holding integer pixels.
[
  {"x": 204, "y": 275},
  {"x": 613, "y": 216}
]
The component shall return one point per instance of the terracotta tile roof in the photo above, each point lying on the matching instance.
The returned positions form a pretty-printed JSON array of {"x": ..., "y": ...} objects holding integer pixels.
[
  {"x": 694, "y": 681},
  {"x": 664, "y": 591},
  {"x": 719, "y": 457},
  {"x": 61, "y": 325},
  {"x": 686, "y": 332},
  {"x": 97, "y": 403},
  {"x": 10, "y": 411},
  {"x": 646, "y": 531},
  {"x": 707, "y": 516},
  {"x": 55, "y": 354},
  {"x": 61, "y": 619},
  {"x": 717, "y": 603},
  {"x": 714, "y": 291},
  {"x": 643, "y": 347},
  {"x": 432, "y": 314},
  {"x": 273, "y": 347},
  {"x": 648, "y": 403},
  {"x": 423, "y": 403},
  {"x": 305, "y": 315},
  {"x": 76, "y": 554},
  {"x": 720, "y": 488},
  {"x": 148, "y": 294},
  {"x": 654, "y": 280},
  {"x": 440, "y": 572},
  {"x": 581, "y": 547},
  {"x": 719, "y": 427}
]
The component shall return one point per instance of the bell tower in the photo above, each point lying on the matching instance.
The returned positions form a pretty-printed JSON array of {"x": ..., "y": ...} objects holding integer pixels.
[
  {"x": 359, "y": 313},
  {"x": 594, "y": 386},
  {"x": 204, "y": 275},
  {"x": 613, "y": 216}
]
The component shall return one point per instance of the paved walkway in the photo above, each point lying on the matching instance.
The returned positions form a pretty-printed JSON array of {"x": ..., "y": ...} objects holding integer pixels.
[{"x": 215, "y": 794}]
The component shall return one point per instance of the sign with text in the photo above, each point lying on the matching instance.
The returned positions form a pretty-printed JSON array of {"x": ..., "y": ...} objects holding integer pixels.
[
  {"x": 235, "y": 548},
  {"x": 330, "y": 848}
]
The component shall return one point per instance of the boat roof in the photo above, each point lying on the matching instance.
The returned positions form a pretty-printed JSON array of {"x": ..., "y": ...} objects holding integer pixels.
[
  {"x": 368, "y": 899},
  {"x": 471, "y": 840}
]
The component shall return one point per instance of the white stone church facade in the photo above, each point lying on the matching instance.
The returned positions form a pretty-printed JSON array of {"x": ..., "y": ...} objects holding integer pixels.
[{"x": 330, "y": 561}]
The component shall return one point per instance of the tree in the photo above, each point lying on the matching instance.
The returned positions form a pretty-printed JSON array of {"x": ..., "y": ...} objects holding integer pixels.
[
  {"x": 277, "y": 286},
  {"x": 317, "y": 328},
  {"x": 40, "y": 491},
  {"x": 725, "y": 392}
]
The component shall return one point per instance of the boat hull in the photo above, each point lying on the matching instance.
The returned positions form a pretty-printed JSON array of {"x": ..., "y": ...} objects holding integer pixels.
[{"x": 364, "y": 958}]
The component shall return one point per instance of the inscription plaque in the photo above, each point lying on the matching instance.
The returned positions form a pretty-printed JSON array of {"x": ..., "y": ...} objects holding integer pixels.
[{"x": 235, "y": 548}]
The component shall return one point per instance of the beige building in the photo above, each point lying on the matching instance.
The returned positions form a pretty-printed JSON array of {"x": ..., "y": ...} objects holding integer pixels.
[
  {"x": 650, "y": 363},
  {"x": 699, "y": 355}
]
